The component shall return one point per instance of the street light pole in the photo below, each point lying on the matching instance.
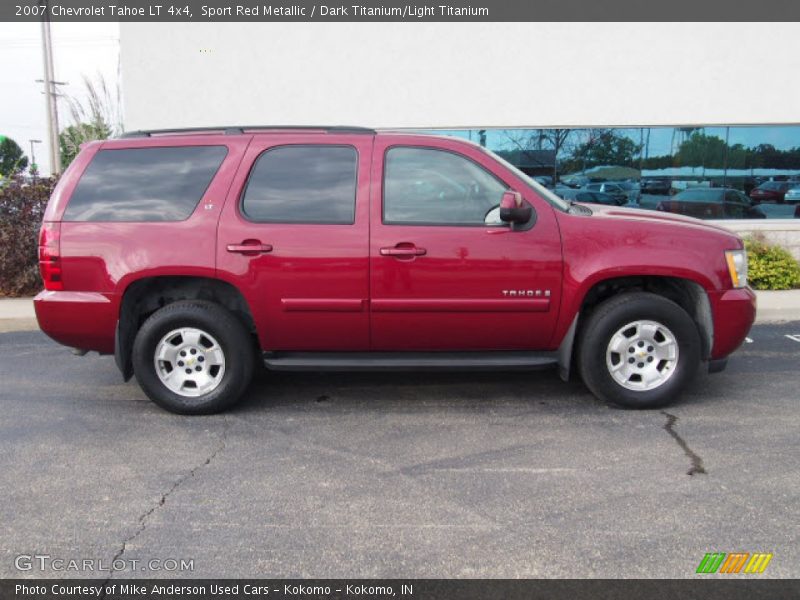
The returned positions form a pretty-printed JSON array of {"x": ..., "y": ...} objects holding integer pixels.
[
  {"x": 50, "y": 94},
  {"x": 725, "y": 172},
  {"x": 34, "y": 169}
]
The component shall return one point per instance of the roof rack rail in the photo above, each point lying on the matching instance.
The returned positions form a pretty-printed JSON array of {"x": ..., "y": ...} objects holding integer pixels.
[{"x": 240, "y": 129}]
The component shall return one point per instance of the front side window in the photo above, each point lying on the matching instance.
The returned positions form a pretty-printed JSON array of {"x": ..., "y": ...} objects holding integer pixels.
[
  {"x": 429, "y": 186},
  {"x": 144, "y": 184},
  {"x": 303, "y": 184}
]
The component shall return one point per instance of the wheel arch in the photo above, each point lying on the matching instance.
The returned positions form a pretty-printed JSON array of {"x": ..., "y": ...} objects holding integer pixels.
[
  {"x": 144, "y": 296},
  {"x": 686, "y": 293}
]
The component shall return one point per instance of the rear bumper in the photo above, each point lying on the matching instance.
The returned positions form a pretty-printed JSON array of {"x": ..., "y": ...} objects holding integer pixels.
[
  {"x": 84, "y": 320},
  {"x": 734, "y": 312}
]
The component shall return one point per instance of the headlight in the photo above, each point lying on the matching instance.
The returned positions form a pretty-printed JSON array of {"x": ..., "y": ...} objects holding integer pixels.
[{"x": 737, "y": 267}]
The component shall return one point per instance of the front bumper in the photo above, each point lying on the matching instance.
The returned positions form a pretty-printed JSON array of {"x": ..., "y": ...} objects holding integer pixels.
[
  {"x": 85, "y": 320},
  {"x": 734, "y": 312}
]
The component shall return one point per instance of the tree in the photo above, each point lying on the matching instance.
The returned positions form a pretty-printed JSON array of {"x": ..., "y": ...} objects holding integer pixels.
[
  {"x": 71, "y": 138},
  {"x": 540, "y": 139},
  {"x": 701, "y": 150},
  {"x": 12, "y": 159},
  {"x": 96, "y": 116},
  {"x": 604, "y": 147}
]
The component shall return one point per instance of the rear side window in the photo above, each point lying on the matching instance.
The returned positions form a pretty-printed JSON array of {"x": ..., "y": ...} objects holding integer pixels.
[
  {"x": 144, "y": 184},
  {"x": 303, "y": 184}
]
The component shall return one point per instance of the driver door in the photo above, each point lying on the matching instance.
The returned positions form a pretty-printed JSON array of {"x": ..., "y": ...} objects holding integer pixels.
[{"x": 445, "y": 274}]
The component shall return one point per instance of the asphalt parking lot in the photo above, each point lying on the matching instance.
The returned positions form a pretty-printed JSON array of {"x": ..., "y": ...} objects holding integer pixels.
[{"x": 400, "y": 475}]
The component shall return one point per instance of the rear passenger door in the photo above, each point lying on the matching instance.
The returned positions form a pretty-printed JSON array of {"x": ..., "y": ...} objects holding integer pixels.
[{"x": 293, "y": 237}]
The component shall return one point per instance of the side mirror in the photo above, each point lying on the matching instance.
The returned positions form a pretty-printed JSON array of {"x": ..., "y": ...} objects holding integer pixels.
[{"x": 513, "y": 210}]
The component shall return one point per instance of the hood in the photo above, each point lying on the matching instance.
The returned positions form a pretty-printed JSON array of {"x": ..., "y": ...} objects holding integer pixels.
[{"x": 640, "y": 215}]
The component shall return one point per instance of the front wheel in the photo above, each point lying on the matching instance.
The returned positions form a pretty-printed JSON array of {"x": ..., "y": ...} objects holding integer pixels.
[
  {"x": 193, "y": 357},
  {"x": 639, "y": 350}
]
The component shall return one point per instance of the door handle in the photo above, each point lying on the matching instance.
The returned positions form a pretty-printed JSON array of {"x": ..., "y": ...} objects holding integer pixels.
[
  {"x": 403, "y": 251},
  {"x": 249, "y": 248}
]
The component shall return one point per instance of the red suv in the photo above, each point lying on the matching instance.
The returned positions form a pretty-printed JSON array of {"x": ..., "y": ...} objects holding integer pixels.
[{"x": 194, "y": 255}]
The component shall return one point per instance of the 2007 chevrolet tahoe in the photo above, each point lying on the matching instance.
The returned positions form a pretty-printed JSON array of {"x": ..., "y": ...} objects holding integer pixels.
[{"x": 192, "y": 255}]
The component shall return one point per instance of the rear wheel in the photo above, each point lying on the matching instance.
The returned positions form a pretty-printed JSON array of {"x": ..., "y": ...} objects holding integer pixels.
[
  {"x": 193, "y": 357},
  {"x": 639, "y": 350}
]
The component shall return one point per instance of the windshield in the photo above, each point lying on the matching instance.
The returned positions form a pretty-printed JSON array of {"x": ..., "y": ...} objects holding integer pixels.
[{"x": 549, "y": 196}]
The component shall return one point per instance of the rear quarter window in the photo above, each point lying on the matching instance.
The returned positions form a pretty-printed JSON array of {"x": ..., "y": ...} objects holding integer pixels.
[{"x": 144, "y": 184}]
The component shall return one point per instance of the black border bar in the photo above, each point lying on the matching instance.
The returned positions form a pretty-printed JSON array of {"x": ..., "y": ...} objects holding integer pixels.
[
  {"x": 701, "y": 587},
  {"x": 392, "y": 10}
]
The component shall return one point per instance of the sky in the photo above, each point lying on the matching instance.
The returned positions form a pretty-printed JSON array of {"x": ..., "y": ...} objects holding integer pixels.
[
  {"x": 78, "y": 49},
  {"x": 92, "y": 50}
]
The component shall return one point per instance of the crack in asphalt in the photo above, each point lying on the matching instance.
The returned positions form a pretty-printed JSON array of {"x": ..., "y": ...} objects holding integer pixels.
[
  {"x": 697, "y": 467},
  {"x": 142, "y": 520}
]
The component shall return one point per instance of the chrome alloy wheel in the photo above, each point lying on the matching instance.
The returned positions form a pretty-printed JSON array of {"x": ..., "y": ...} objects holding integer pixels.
[
  {"x": 189, "y": 362},
  {"x": 642, "y": 355}
]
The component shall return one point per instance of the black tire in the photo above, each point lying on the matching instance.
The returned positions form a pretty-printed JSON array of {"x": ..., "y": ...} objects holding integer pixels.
[
  {"x": 226, "y": 329},
  {"x": 612, "y": 315}
]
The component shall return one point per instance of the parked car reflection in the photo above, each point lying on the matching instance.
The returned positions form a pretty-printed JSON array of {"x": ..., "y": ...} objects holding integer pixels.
[
  {"x": 621, "y": 191},
  {"x": 656, "y": 185},
  {"x": 711, "y": 203},
  {"x": 771, "y": 191},
  {"x": 584, "y": 195},
  {"x": 793, "y": 194}
]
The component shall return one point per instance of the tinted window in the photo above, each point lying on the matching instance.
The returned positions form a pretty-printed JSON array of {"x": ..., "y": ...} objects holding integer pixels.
[
  {"x": 303, "y": 184},
  {"x": 144, "y": 184},
  {"x": 423, "y": 185}
]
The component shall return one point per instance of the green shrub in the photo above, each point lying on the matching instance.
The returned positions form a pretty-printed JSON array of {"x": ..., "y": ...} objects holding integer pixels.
[
  {"x": 771, "y": 267},
  {"x": 22, "y": 205}
]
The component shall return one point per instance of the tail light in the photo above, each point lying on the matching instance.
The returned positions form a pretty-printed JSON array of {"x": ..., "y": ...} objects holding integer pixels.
[{"x": 50, "y": 256}]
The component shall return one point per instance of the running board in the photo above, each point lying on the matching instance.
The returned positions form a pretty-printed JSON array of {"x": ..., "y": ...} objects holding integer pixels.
[{"x": 408, "y": 361}]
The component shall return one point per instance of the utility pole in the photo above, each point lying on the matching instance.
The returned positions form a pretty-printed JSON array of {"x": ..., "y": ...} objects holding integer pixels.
[
  {"x": 50, "y": 93},
  {"x": 641, "y": 150}
]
